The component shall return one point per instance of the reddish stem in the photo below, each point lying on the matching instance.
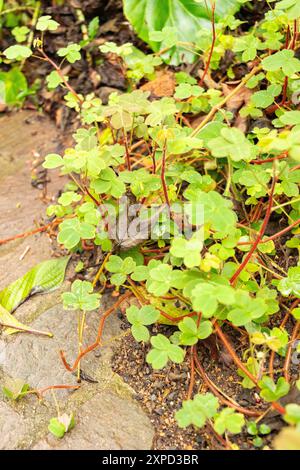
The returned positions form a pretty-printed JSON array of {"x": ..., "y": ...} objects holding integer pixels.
[
  {"x": 259, "y": 236},
  {"x": 31, "y": 232},
  {"x": 212, "y": 44},
  {"x": 269, "y": 160},
  {"x": 213, "y": 388},
  {"x": 58, "y": 70},
  {"x": 163, "y": 169},
  {"x": 99, "y": 335}
]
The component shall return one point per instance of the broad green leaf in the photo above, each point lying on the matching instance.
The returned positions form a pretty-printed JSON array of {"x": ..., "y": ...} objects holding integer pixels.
[
  {"x": 17, "y": 52},
  {"x": 44, "y": 277},
  {"x": 186, "y": 17},
  {"x": 13, "y": 87}
]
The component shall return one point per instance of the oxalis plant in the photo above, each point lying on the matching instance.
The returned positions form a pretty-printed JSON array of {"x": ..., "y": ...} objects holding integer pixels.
[{"x": 223, "y": 277}]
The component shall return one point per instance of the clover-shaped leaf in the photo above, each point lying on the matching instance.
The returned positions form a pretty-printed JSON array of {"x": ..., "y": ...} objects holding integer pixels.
[
  {"x": 229, "y": 420},
  {"x": 271, "y": 391},
  {"x": 189, "y": 250},
  {"x": 54, "y": 79},
  {"x": 168, "y": 36},
  {"x": 162, "y": 278},
  {"x": 46, "y": 23},
  {"x": 284, "y": 60},
  {"x": 68, "y": 197},
  {"x": 232, "y": 143},
  {"x": 217, "y": 210},
  {"x": 17, "y": 52},
  {"x": 71, "y": 231},
  {"x": 191, "y": 333},
  {"x": 81, "y": 297},
  {"x": 71, "y": 53},
  {"x": 120, "y": 267},
  {"x": 162, "y": 351},
  {"x": 291, "y": 7},
  {"x": 147, "y": 315},
  {"x": 109, "y": 183},
  {"x": 291, "y": 283},
  {"x": 197, "y": 411},
  {"x": 20, "y": 33},
  {"x": 111, "y": 47}
]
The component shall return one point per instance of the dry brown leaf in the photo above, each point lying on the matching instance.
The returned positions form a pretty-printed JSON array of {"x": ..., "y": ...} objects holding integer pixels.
[
  {"x": 239, "y": 99},
  {"x": 162, "y": 85}
]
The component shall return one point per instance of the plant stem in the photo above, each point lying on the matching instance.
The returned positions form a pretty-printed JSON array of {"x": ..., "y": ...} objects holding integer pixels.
[
  {"x": 213, "y": 8},
  {"x": 99, "y": 335},
  {"x": 259, "y": 236},
  {"x": 220, "y": 105},
  {"x": 163, "y": 169},
  {"x": 58, "y": 70}
]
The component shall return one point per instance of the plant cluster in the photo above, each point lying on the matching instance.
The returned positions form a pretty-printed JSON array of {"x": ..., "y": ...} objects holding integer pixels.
[{"x": 229, "y": 275}]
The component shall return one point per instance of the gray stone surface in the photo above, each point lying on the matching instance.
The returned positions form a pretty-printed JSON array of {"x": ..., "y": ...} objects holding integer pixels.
[
  {"x": 106, "y": 415},
  {"x": 107, "y": 421},
  {"x": 12, "y": 427}
]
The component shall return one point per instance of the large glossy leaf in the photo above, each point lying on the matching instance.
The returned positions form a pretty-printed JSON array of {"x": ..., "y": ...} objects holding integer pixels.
[
  {"x": 187, "y": 16},
  {"x": 13, "y": 87},
  {"x": 44, "y": 277}
]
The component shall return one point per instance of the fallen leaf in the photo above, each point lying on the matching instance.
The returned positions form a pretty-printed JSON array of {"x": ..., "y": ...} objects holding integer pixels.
[{"x": 162, "y": 85}]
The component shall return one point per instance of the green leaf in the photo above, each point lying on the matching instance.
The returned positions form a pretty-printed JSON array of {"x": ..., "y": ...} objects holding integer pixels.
[
  {"x": 187, "y": 18},
  {"x": 290, "y": 7},
  {"x": 162, "y": 351},
  {"x": 284, "y": 60},
  {"x": 61, "y": 425},
  {"x": 93, "y": 28},
  {"x": 46, "y": 23},
  {"x": 20, "y": 33},
  {"x": 45, "y": 276},
  {"x": 147, "y": 315},
  {"x": 54, "y": 79},
  {"x": 229, "y": 420},
  {"x": 162, "y": 278},
  {"x": 57, "y": 428},
  {"x": 271, "y": 391},
  {"x": 68, "y": 198},
  {"x": 188, "y": 250},
  {"x": 13, "y": 87},
  {"x": 17, "y": 52},
  {"x": 190, "y": 333},
  {"x": 120, "y": 267},
  {"x": 71, "y": 53},
  {"x": 81, "y": 297},
  {"x": 292, "y": 415},
  {"x": 291, "y": 284},
  {"x": 197, "y": 411},
  {"x": 15, "y": 388},
  {"x": 53, "y": 160},
  {"x": 231, "y": 143}
]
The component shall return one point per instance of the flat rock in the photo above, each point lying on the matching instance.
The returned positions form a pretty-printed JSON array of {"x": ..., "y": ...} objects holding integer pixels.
[
  {"x": 23, "y": 135},
  {"x": 38, "y": 362},
  {"x": 107, "y": 422},
  {"x": 12, "y": 428}
]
